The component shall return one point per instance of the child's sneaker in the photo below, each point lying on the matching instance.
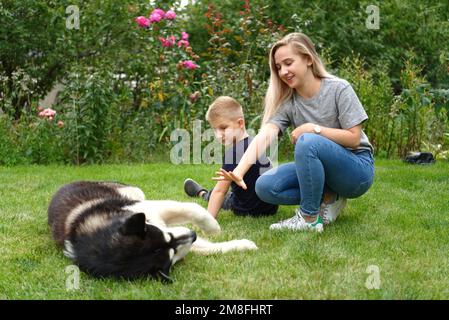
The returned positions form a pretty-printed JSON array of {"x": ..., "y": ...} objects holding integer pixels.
[
  {"x": 297, "y": 222},
  {"x": 192, "y": 188},
  {"x": 330, "y": 212}
]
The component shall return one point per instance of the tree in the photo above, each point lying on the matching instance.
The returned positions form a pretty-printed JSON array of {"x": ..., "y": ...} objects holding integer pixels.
[{"x": 39, "y": 43}]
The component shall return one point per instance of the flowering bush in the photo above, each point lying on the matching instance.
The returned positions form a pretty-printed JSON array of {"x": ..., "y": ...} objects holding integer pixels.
[
  {"x": 238, "y": 55},
  {"x": 38, "y": 137},
  {"x": 172, "y": 71},
  {"x": 137, "y": 76},
  {"x": 158, "y": 15},
  {"x": 189, "y": 64},
  {"x": 47, "y": 113}
]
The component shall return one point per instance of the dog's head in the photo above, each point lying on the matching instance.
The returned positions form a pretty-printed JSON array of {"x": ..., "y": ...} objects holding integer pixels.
[{"x": 130, "y": 247}]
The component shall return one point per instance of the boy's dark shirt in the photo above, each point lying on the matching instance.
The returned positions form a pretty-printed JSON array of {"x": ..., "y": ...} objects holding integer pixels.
[{"x": 246, "y": 202}]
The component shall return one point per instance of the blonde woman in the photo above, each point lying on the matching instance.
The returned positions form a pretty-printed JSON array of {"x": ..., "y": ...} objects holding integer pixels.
[{"x": 333, "y": 156}]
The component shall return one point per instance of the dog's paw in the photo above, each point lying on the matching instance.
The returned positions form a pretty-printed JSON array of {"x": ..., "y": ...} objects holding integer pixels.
[
  {"x": 245, "y": 244},
  {"x": 210, "y": 225}
]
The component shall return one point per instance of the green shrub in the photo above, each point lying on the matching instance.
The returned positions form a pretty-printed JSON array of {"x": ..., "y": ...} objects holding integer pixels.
[
  {"x": 125, "y": 92},
  {"x": 87, "y": 101},
  {"x": 40, "y": 141},
  {"x": 9, "y": 150},
  {"x": 402, "y": 123}
]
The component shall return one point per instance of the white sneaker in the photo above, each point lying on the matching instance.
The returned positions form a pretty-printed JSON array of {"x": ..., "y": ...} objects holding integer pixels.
[
  {"x": 330, "y": 212},
  {"x": 297, "y": 222}
]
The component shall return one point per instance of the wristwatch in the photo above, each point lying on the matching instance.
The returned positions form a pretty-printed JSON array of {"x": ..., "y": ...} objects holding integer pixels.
[{"x": 317, "y": 129}]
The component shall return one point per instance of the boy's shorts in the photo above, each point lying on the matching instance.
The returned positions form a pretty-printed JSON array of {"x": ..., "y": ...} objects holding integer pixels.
[{"x": 228, "y": 205}]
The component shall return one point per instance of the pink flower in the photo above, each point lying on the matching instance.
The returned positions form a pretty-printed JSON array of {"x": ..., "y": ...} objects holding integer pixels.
[
  {"x": 169, "y": 42},
  {"x": 194, "y": 96},
  {"x": 157, "y": 15},
  {"x": 189, "y": 64},
  {"x": 142, "y": 21},
  {"x": 155, "y": 18},
  {"x": 159, "y": 12},
  {"x": 164, "y": 42},
  {"x": 47, "y": 113},
  {"x": 170, "y": 15},
  {"x": 60, "y": 124},
  {"x": 184, "y": 43},
  {"x": 184, "y": 36},
  {"x": 172, "y": 40}
]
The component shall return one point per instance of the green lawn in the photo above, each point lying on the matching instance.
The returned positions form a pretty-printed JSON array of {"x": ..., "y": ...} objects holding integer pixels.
[{"x": 400, "y": 226}]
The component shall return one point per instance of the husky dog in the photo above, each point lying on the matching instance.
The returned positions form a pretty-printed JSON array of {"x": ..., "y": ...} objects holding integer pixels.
[{"x": 110, "y": 230}]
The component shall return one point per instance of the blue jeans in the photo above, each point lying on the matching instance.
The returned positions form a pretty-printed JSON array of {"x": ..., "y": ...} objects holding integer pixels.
[{"x": 320, "y": 165}]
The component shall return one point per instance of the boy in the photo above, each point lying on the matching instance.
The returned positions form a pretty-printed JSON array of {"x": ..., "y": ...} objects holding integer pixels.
[{"x": 225, "y": 116}]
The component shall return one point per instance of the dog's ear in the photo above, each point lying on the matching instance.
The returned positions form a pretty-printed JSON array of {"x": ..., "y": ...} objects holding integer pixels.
[
  {"x": 134, "y": 225},
  {"x": 153, "y": 232}
]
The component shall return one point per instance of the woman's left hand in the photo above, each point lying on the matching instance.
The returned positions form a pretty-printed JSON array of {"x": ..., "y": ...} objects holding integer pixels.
[{"x": 299, "y": 131}]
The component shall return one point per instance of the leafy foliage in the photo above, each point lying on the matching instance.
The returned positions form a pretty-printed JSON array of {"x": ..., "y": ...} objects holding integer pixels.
[{"x": 127, "y": 87}]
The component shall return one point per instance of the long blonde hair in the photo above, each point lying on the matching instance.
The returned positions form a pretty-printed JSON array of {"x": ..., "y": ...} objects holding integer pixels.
[{"x": 278, "y": 91}]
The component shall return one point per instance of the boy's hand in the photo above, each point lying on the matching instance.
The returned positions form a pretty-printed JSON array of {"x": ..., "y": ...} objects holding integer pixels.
[{"x": 230, "y": 176}]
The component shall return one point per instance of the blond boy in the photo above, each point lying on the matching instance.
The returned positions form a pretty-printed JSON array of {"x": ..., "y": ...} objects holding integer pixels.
[{"x": 225, "y": 116}]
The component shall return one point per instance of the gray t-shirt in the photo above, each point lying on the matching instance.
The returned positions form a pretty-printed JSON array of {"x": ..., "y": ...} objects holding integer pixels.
[{"x": 336, "y": 105}]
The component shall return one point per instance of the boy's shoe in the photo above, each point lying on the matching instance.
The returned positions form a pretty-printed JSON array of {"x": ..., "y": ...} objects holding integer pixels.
[
  {"x": 192, "y": 188},
  {"x": 330, "y": 212},
  {"x": 297, "y": 222}
]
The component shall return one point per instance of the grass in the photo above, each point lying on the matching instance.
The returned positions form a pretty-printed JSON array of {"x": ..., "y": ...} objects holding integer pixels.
[{"x": 400, "y": 226}]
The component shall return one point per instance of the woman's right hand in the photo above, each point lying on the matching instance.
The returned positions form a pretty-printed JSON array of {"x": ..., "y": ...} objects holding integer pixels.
[{"x": 230, "y": 176}]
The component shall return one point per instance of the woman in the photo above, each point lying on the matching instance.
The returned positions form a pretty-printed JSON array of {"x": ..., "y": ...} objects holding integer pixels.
[{"x": 333, "y": 156}]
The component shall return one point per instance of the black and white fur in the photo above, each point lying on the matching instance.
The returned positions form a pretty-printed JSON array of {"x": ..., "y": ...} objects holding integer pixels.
[{"x": 109, "y": 229}]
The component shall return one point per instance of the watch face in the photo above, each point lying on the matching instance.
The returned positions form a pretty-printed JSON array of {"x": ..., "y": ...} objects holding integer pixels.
[{"x": 317, "y": 129}]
